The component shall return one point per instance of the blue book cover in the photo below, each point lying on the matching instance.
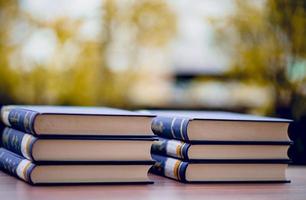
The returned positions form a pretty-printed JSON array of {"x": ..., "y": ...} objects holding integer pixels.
[
  {"x": 172, "y": 148},
  {"x": 28, "y": 119},
  {"x": 177, "y": 169},
  {"x": 218, "y": 126},
  {"x": 18, "y": 142},
  {"x": 38, "y": 174},
  {"x": 32, "y": 148},
  {"x": 169, "y": 167},
  {"x": 16, "y": 165},
  {"x": 182, "y": 150}
]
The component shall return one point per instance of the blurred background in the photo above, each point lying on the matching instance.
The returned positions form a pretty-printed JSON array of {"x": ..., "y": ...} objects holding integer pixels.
[{"x": 232, "y": 55}]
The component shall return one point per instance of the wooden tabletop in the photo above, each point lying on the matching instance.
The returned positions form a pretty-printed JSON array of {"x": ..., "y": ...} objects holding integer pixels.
[{"x": 11, "y": 189}]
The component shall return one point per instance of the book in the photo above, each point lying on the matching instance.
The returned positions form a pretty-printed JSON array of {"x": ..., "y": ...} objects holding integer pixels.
[
  {"x": 201, "y": 172},
  {"x": 81, "y": 173},
  {"x": 65, "y": 120},
  {"x": 218, "y": 126},
  {"x": 220, "y": 150},
  {"x": 52, "y": 149}
]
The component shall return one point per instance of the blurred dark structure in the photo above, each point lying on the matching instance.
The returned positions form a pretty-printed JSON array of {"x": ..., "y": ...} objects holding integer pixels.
[{"x": 297, "y": 133}]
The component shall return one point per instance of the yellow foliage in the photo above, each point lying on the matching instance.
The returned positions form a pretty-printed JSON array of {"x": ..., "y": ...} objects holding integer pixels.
[
  {"x": 267, "y": 44},
  {"x": 79, "y": 71}
]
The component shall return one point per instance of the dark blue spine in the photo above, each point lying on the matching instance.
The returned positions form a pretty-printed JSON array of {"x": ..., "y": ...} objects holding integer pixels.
[
  {"x": 15, "y": 165},
  {"x": 171, "y": 127},
  {"x": 173, "y": 148},
  {"x": 184, "y": 151},
  {"x": 22, "y": 120},
  {"x": 169, "y": 167},
  {"x": 18, "y": 142},
  {"x": 159, "y": 147}
]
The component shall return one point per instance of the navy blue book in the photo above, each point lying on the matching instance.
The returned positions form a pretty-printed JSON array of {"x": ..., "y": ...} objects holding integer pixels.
[
  {"x": 218, "y": 126},
  {"x": 221, "y": 171},
  {"x": 76, "y": 173},
  {"x": 220, "y": 150},
  {"x": 65, "y": 120},
  {"x": 89, "y": 149}
]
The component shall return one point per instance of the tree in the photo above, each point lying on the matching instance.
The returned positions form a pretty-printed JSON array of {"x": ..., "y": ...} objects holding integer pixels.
[
  {"x": 80, "y": 70},
  {"x": 267, "y": 45},
  {"x": 8, "y": 13}
]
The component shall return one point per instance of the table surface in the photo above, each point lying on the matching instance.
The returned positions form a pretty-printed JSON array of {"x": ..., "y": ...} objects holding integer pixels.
[{"x": 12, "y": 188}]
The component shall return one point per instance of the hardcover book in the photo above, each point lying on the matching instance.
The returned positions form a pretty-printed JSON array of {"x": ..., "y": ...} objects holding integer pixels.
[
  {"x": 218, "y": 126},
  {"x": 63, "y": 120},
  {"x": 52, "y": 149},
  {"x": 221, "y": 150},
  {"x": 81, "y": 173},
  {"x": 204, "y": 171}
]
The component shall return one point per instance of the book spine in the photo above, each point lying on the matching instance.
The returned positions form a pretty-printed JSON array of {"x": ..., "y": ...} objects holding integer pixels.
[
  {"x": 18, "y": 142},
  {"x": 169, "y": 167},
  {"x": 16, "y": 165},
  {"x": 173, "y": 148},
  {"x": 19, "y": 119},
  {"x": 171, "y": 127}
]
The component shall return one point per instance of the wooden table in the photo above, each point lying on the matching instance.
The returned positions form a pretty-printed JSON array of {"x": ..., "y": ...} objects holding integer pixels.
[{"x": 11, "y": 188}]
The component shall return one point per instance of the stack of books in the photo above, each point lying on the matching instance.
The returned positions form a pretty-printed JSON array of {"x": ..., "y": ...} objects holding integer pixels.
[
  {"x": 220, "y": 147},
  {"x": 76, "y": 145}
]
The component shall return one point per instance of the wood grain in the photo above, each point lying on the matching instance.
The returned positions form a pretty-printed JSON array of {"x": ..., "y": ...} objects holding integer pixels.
[{"x": 12, "y": 188}]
